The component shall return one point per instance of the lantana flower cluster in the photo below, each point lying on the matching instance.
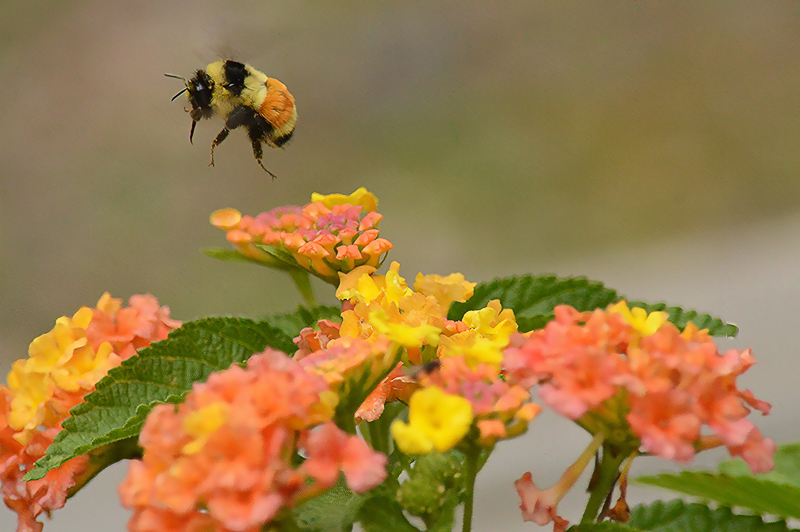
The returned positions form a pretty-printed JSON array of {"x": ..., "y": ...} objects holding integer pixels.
[
  {"x": 63, "y": 366},
  {"x": 331, "y": 234},
  {"x": 253, "y": 442},
  {"x": 611, "y": 373},
  {"x": 641, "y": 386},
  {"x": 224, "y": 460},
  {"x": 466, "y": 388}
]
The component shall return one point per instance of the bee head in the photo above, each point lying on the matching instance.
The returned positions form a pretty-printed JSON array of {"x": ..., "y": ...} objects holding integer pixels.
[{"x": 200, "y": 89}]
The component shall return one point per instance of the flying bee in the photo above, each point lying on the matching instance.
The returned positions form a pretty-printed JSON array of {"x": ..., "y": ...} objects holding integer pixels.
[{"x": 241, "y": 96}]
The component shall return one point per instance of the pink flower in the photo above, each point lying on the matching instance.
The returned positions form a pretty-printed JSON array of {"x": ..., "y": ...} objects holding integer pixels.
[
  {"x": 331, "y": 450},
  {"x": 619, "y": 371},
  {"x": 64, "y": 365},
  {"x": 331, "y": 234},
  {"x": 537, "y": 505},
  {"x": 226, "y": 452}
]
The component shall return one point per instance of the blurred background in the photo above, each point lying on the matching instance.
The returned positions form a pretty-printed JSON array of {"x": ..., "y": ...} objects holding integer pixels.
[{"x": 653, "y": 146}]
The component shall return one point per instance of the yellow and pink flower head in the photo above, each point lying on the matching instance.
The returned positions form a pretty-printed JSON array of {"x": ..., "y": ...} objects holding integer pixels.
[{"x": 331, "y": 234}]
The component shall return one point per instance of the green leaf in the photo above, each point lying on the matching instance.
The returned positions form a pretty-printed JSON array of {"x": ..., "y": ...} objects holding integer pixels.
[
  {"x": 761, "y": 496},
  {"x": 283, "y": 259},
  {"x": 680, "y": 516},
  {"x": 681, "y": 318},
  {"x": 161, "y": 373},
  {"x": 534, "y": 298},
  {"x": 382, "y": 514},
  {"x": 227, "y": 255},
  {"x": 605, "y": 526},
  {"x": 333, "y": 511},
  {"x": 293, "y": 322},
  {"x": 787, "y": 466}
]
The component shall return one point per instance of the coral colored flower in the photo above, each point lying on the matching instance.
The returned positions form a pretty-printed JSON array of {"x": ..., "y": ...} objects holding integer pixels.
[
  {"x": 396, "y": 386},
  {"x": 332, "y": 234},
  {"x": 129, "y": 328},
  {"x": 436, "y": 421},
  {"x": 63, "y": 366},
  {"x": 540, "y": 506},
  {"x": 224, "y": 458},
  {"x": 637, "y": 376},
  {"x": 537, "y": 505},
  {"x": 351, "y": 366},
  {"x": 311, "y": 340},
  {"x": 346, "y": 362},
  {"x": 330, "y": 450}
]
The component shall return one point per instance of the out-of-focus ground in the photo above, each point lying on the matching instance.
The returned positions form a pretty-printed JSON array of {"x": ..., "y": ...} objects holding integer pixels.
[{"x": 650, "y": 146}]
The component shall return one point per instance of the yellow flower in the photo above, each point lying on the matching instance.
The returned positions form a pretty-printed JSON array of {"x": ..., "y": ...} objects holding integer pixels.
[
  {"x": 436, "y": 421},
  {"x": 384, "y": 305},
  {"x": 354, "y": 284},
  {"x": 201, "y": 423},
  {"x": 360, "y": 197},
  {"x": 475, "y": 348},
  {"x": 55, "y": 348},
  {"x": 454, "y": 287},
  {"x": 493, "y": 322},
  {"x": 643, "y": 323},
  {"x": 65, "y": 355},
  {"x": 225, "y": 219},
  {"x": 30, "y": 391},
  {"x": 396, "y": 287},
  {"x": 403, "y": 333}
]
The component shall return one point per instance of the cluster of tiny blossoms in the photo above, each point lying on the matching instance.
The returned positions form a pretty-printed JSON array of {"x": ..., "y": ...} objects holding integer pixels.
[
  {"x": 641, "y": 386},
  {"x": 253, "y": 442},
  {"x": 63, "y": 366},
  {"x": 331, "y": 234},
  {"x": 463, "y": 388},
  {"x": 223, "y": 461}
]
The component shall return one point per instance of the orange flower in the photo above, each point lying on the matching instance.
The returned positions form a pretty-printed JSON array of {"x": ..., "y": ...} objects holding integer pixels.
[
  {"x": 331, "y": 234},
  {"x": 639, "y": 377},
  {"x": 224, "y": 458},
  {"x": 63, "y": 366},
  {"x": 501, "y": 409}
]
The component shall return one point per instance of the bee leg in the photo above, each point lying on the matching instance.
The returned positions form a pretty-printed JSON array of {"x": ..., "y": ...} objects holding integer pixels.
[
  {"x": 258, "y": 150},
  {"x": 222, "y": 135}
]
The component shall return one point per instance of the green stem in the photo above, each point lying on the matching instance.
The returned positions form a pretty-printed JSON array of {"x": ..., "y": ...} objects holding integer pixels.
[
  {"x": 303, "y": 284},
  {"x": 345, "y": 421},
  {"x": 378, "y": 436},
  {"x": 473, "y": 455},
  {"x": 608, "y": 473},
  {"x": 101, "y": 458}
]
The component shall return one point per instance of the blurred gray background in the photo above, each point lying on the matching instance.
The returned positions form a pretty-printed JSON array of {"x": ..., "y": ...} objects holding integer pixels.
[{"x": 653, "y": 146}]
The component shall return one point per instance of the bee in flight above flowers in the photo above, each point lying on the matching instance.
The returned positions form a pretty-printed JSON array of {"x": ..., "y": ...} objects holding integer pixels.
[{"x": 241, "y": 96}]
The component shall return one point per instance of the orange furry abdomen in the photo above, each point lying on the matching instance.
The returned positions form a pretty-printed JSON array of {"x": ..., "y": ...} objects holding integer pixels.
[{"x": 278, "y": 107}]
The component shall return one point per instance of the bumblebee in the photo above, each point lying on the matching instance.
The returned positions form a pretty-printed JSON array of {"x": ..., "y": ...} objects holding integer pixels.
[{"x": 241, "y": 96}]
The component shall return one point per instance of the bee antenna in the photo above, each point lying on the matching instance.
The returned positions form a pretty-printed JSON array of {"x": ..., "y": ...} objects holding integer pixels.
[
  {"x": 173, "y": 98},
  {"x": 175, "y": 76}
]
